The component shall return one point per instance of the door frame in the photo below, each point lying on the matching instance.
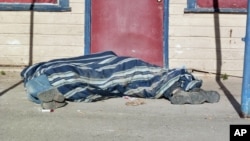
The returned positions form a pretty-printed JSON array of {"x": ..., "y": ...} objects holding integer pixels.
[{"x": 165, "y": 44}]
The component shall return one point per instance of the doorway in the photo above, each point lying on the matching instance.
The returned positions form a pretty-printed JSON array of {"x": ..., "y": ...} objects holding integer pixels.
[{"x": 128, "y": 28}]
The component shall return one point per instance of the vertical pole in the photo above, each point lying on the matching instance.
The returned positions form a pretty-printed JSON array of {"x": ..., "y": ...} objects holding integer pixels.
[
  {"x": 245, "y": 94},
  {"x": 31, "y": 33},
  {"x": 87, "y": 27},
  {"x": 166, "y": 33}
]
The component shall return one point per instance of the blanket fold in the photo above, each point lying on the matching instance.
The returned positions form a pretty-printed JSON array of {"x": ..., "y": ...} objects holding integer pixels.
[{"x": 101, "y": 75}]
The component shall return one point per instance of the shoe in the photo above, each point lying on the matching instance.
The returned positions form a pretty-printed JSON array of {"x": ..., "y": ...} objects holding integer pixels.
[
  {"x": 183, "y": 97},
  {"x": 211, "y": 96},
  {"x": 53, "y": 105},
  {"x": 195, "y": 96},
  {"x": 51, "y": 95}
]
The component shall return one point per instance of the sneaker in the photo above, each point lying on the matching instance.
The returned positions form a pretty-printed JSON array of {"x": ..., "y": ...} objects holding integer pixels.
[
  {"x": 53, "y": 105},
  {"x": 51, "y": 95}
]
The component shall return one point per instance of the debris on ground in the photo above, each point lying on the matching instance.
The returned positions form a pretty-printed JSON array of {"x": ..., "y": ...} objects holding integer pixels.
[{"x": 132, "y": 101}]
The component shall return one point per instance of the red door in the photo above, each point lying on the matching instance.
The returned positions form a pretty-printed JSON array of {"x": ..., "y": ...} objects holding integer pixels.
[{"x": 129, "y": 28}]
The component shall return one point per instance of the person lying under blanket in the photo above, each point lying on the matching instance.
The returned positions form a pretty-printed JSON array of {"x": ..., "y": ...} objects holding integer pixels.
[{"x": 105, "y": 75}]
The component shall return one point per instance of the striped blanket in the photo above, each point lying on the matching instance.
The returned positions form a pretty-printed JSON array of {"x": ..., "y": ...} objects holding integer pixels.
[{"x": 104, "y": 75}]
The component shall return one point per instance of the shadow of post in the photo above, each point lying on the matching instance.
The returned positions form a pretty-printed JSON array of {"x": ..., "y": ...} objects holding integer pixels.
[
  {"x": 227, "y": 93},
  {"x": 30, "y": 47},
  {"x": 11, "y": 87}
]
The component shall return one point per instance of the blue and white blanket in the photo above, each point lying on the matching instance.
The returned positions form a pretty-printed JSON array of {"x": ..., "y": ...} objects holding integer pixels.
[{"x": 105, "y": 74}]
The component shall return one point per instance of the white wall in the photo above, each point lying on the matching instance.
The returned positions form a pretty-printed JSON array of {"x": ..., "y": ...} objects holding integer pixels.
[
  {"x": 193, "y": 44},
  {"x": 55, "y": 34},
  {"x": 61, "y": 34}
]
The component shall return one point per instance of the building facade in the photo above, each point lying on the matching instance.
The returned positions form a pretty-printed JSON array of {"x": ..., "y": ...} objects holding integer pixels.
[{"x": 203, "y": 41}]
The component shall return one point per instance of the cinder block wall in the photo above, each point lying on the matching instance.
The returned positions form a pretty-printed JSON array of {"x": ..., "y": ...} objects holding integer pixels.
[
  {"x": 54, "y": 35},
  {"x": 199, "y": 40},
  {"x": 194, "y": 41}
]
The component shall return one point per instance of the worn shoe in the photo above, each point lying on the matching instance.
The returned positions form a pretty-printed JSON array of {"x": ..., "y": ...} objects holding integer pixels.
[
  {"x": 53, "y": 105},
  {"x": 182, "y": 97},
  {"x": 196, "y": 96},
  {"x": 211, "y": 96},
  {"x": 51, "y": 95}
]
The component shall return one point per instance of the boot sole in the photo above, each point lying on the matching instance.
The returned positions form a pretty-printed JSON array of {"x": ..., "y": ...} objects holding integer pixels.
[{"x": 50, "y": 95}]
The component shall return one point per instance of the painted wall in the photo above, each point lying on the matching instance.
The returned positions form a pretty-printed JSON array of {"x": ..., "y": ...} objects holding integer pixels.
[
  {"x": 55, "y": 35},
  {"x": 194, "y": 40},
  {"x": 198, "y": 40}
]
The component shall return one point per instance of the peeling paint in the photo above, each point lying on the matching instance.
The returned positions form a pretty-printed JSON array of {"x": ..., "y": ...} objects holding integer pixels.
[
  {"x": 13, "y": 42},
  {"x": 178, "y": 46},
  {"x": 178, "y": 49}
]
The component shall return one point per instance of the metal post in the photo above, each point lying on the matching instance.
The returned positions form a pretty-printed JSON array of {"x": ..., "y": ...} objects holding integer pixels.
[
  {"x": 87, "y": 27},
  {"x": 245, "y": 94},
  {"x": 166, "y": 32}
]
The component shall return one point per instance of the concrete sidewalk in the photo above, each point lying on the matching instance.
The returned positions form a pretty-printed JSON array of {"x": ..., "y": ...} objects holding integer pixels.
[{"x": 157, "y": 119}]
